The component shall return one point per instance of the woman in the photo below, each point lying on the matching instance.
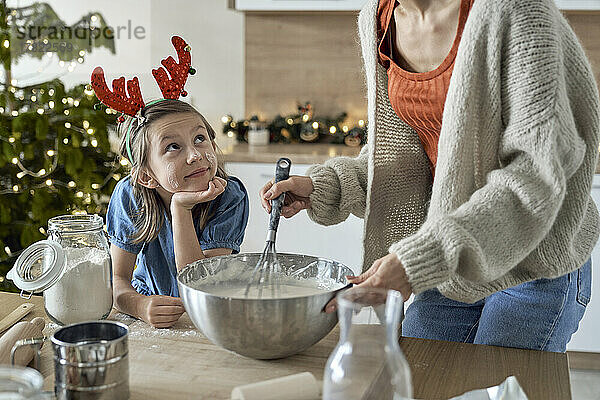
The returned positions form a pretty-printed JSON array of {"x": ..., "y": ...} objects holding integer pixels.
[{"x": 504, "y": 113}]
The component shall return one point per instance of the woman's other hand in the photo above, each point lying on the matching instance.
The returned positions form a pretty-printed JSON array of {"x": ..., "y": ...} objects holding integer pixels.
[
  {"x": 161, "y": 311},
  {"x": 188, "y": 200},
  {"x": 297, "y": 188},
  {"x": 386, "y": 272}
]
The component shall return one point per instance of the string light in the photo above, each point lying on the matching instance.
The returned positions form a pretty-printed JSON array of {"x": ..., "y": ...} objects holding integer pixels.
[
  {"x": 290, "y": 121},
  {"x": 345, "y": 128},
  {"x": 15, "y": 188},
  {"x": 85, "y": 124},
  {"x": 51, "y": 92},
  {"x": 305, "y": 118},
  {"x": 225, "y": 119},
  {"x": 15, "y": 160},
  {"x": 51, "y": 104},
  {"x": 33, "y": 98},
  {"x": 124, "y": 162},
  {"x": 50, "y": 153},
  {"x": 315, "y": 125},
  {"x": 79, "y": 194},
  {"x": 95, "y": 186},
  {"x": 67, "y": 112},
  {"x": 94, "y": 143},
  {"x": 67, "y": 125},
  {"x": 76, "y": 103},
  {"x": 40, "y": 111},
  {"x": 49, "y": 182},
  {"x": 11, "y": 139},
  {"x": 20, "y": 174},
  {"x": 66, "y": 140},
  {"x": 361, "y": 123},
  {"x": 41, "y": 172},
  {"x": 90, "y": 131},
  {"x": 332, "y": 129},
  {"x": 71, "y": 184},
  {"x": 14, "y": 113},
  {"x": 6, "y": 43}
]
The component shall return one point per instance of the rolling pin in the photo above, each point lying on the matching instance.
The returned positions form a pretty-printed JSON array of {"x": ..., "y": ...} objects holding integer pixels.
[
  {"x": 15, "y": 316},
  {"x": 22, "y": 330},
  {"x": 302, "y": 386}
]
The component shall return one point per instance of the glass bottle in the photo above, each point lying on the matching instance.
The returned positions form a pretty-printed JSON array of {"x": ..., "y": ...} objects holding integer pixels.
[
  {"x": 22, "y": 383},
  {"x": 367, "y": 362},
  {"x": 72, "y": 268}
]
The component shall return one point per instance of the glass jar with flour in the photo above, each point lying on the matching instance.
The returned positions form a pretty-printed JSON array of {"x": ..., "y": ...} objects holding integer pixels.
[{"x": 72, "y": 268}]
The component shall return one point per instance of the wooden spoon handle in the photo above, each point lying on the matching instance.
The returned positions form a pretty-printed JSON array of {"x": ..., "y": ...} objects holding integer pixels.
[{"x": 15, "y": 316}]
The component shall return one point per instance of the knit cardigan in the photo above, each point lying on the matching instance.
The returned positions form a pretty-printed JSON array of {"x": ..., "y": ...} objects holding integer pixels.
[{"x": 518, "y": 147}]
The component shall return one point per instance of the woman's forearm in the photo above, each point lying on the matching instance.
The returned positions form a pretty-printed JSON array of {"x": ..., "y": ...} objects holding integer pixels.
[{"x": 185, "y": 242}]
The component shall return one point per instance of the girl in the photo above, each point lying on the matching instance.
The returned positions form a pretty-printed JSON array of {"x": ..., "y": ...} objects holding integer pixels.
[{"x": 176, "y": 206}]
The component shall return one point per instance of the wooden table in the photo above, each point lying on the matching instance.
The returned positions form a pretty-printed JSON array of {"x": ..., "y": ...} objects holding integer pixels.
[{"x": 180, "y": 363}]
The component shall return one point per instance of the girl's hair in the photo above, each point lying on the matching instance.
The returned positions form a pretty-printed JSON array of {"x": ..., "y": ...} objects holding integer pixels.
[{"x": 148, "y": 219}]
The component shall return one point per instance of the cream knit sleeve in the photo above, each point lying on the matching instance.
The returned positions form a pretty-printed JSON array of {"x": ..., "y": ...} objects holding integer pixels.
[
  {"x": 541, "y": 148},
  {"x": 340, "y": 188}
]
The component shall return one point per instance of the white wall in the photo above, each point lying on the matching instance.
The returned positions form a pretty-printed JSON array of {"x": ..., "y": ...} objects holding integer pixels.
[{"x": 215, "y": 33}]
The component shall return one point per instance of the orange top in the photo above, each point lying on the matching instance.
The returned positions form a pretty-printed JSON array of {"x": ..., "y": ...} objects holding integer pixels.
[{"x": 417, "y": 98}]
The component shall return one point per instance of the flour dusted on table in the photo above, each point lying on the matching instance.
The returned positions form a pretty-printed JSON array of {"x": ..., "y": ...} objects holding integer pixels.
[{"x": 84, "y": 292}]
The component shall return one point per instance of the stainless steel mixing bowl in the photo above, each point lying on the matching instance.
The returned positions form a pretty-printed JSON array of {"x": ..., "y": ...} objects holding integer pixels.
[{"x": 260, "y": 328}]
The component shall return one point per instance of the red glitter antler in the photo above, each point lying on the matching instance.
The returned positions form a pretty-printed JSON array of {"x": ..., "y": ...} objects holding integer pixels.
[
  {"x": 117, "y": 98},
  {"x": 172, "y": 88}
]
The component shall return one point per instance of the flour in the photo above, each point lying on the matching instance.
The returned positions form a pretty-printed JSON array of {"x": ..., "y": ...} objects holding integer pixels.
[
  {"x": 84, "y": 292},
  {"x": 289, "y": 287}
]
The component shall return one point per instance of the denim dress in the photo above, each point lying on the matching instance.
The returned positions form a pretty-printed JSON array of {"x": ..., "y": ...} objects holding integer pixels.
[{"x": 155, "y": 272}]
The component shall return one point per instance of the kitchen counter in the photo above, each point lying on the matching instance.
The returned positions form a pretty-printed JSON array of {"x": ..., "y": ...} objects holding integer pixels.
[
  {"x": 299, "y": 153},
  {"x": 180, "y": 363}
]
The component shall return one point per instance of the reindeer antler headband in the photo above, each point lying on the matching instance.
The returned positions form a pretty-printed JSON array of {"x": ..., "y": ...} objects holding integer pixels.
[{"x": 131, "y": 103}]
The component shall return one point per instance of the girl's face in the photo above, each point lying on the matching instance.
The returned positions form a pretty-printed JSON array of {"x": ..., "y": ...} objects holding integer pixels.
[{"x": 181, "y": 155}]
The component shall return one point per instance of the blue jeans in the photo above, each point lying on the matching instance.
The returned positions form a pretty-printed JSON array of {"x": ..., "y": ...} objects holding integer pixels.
[{"x": 538, "y": 315}]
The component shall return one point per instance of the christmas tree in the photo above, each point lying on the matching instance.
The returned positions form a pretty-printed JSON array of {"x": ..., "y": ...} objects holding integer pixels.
[{"x": 55, "y": 155}]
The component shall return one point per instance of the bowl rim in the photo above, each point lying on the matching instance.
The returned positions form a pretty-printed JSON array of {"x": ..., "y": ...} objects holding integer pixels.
[{"x": 195, "y": 263}]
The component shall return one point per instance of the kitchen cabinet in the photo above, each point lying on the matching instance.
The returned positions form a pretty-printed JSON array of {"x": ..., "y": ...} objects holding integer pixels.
[
  {"x": 586, "y": 338},
  {"x": 355, "y": 5},
  {"x": 299, "y": 234}
]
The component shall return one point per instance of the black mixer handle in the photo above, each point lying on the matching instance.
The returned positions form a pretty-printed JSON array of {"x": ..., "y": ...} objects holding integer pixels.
[{"x": 282, "y": 172}]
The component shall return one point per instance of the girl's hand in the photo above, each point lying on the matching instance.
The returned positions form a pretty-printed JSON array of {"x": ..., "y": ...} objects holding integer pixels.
[
  {"x": 386, "y": 272},
  {"x": 297, "y": 188},
  {"x": 187, "y": 200},
  {"x": 161, "y": 311}
]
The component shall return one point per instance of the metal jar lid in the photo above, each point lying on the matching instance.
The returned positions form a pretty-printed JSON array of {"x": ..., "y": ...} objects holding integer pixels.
[{"x": 38, "y": 267}]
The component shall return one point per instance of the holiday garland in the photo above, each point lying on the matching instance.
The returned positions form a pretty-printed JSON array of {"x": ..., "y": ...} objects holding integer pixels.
[{"x": 300, "y": 127}]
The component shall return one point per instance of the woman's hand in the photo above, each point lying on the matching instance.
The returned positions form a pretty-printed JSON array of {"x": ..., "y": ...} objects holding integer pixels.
[
  {"x": 297, "y": 188},
  {"x": 161, "y": 311},
  {"x": 187, "y": 200},
  {"x": 386, "y": 272}
]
